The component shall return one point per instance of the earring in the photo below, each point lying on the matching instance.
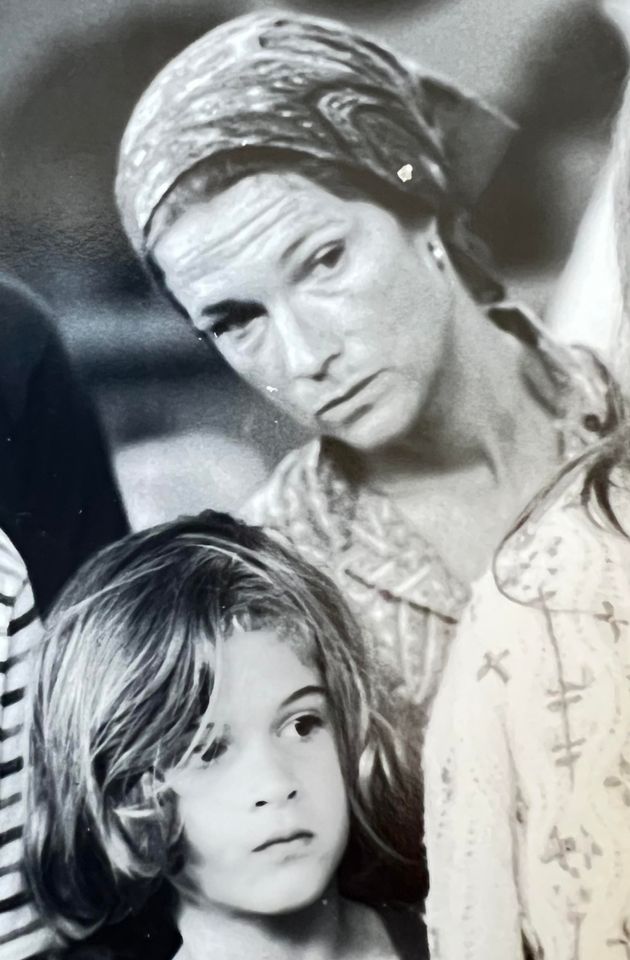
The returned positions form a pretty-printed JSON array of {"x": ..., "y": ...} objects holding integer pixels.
[{"x": 437, "y": 252}]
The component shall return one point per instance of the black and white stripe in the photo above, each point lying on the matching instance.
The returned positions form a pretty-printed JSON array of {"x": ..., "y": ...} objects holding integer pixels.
[{"x": 22, "y": 935}]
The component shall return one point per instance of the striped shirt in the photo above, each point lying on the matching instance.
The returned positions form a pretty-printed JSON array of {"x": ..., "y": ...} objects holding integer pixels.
[{"x": 22, "y": 934}]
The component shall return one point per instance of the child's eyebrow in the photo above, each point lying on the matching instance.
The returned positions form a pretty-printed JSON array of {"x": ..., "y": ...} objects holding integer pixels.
[{"x": 303, "y": 692}]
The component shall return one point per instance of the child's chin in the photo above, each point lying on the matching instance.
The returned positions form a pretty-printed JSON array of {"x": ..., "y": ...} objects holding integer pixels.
[{"x": 284, "y": 898}]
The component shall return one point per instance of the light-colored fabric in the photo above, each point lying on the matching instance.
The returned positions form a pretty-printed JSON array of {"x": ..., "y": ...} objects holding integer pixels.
[
  {"x": 586, "y": 305},
  {"x": 527, "y": 754},
  {"x": 313, "y": 87},
  {"x": 22, "y": 934},
  {"x": 405, "y": 596}
]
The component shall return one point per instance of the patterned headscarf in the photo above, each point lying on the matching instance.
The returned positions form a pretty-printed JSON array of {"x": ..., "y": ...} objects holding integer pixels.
[{"x": 313, "y": 87}]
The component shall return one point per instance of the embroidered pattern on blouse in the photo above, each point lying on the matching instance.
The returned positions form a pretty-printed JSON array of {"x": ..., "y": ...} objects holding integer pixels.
[{"x": 552, "y": 744}]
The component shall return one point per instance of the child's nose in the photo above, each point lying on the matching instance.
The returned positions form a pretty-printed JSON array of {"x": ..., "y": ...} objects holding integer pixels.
[
  {"x": 272, "y": 778},
  {"x": 263, "y": 803}
]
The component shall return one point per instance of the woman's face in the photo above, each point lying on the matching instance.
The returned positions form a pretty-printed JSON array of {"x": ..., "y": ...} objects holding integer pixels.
[
  {"x": 264, "y": 809},
  {"x": 331, "y": 308}
]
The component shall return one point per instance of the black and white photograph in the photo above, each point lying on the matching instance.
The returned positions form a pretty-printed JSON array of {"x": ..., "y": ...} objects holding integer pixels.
[{"x": 315, "y": 480}]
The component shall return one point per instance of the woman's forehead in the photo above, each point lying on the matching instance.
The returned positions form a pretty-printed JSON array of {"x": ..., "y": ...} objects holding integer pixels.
[
  {"x": 267, "y": 212},
  {"x": 260, "y": 201}
]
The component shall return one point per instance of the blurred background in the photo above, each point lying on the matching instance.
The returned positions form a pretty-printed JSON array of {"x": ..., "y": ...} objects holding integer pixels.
[{"x": 184, "y": 432}]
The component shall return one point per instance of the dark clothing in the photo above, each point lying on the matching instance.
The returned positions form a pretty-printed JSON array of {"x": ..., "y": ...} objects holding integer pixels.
[
  {"x": 58, "y": 499},
  {"x": 58, "y": 504},
  {"x": 152, "y": 935}
]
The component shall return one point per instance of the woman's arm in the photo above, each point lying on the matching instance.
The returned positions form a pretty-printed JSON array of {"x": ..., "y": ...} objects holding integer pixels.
[{"x": 472, "y": 910}]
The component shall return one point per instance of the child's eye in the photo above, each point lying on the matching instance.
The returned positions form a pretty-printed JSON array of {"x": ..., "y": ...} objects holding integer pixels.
[{"x": 303, "y": 726}]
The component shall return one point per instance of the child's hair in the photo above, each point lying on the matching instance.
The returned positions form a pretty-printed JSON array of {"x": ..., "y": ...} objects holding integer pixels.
[{"x": 122, "y": 687}]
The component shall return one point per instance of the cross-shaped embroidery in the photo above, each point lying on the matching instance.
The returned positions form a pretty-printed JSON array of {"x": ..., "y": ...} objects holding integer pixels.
[
  {"x": 493, "y": 663},
  {"x": 559, "y": 848},
  {"x": 569, "y": 691},
  {"x": 570, "y": 752},
  {"x": 567, "y": 695},
  {"x": 567, "y": 850},
  {"x": 608, "y": 616}
]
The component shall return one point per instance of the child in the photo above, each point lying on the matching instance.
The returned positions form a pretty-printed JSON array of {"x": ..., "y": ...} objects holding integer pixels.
[{"x": 203, "y": 716}]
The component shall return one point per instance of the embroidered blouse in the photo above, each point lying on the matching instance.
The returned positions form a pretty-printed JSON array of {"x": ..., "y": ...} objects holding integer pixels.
[
  {"x": 527, "y": 754},
  {"x": 406, "y": 598}
]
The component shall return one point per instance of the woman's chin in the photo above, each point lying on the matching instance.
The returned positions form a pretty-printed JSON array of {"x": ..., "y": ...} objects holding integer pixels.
[{"x": 375, "y": 430}]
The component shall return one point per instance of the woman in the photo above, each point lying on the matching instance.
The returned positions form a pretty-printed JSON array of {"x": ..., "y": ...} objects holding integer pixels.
[
  {"x": 527, "y": 756},
  {"x": 300, "y": 194}
]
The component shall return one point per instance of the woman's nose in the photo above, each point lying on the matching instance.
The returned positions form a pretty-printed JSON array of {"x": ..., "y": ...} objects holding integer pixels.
[{"x": 309, "y": 340}]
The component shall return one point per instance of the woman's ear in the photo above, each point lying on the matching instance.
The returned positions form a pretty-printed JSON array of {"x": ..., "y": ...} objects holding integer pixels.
[
  {"x": 438, "y": 253},
  {"x": 429, "y": 245}
]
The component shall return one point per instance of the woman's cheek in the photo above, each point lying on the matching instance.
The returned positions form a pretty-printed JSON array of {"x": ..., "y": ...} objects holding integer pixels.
[
  {"x": 362, "y": 301},
  {"x": 255, "y": 360}
]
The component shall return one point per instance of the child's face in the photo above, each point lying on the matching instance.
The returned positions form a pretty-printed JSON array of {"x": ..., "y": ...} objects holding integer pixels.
[{"x": 265, "y": 816}]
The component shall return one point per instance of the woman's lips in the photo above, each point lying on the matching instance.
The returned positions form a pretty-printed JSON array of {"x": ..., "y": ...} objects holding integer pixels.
[
  {"x": 287, "y": 838},
  {"x": 345, "y": 397}
]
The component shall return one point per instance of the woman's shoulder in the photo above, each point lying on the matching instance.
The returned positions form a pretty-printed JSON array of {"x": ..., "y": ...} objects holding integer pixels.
[
  {"x": 569, "y": 379},
  {"x": 300, "y": 502},
  {"x": 281, "y": 496}
]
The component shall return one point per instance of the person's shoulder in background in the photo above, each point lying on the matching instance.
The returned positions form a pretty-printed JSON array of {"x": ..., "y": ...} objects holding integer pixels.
[{"x": 59, "y": 501}]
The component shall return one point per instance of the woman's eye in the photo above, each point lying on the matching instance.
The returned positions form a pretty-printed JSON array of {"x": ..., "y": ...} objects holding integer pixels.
[
  {"x": 329, "y": 256},
  {"x": 235, "y": 319}
]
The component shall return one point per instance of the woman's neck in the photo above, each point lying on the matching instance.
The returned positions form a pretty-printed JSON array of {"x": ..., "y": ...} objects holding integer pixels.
[
  {"x": 329, "y": 929},
  {"x": 475, "y": 419}
]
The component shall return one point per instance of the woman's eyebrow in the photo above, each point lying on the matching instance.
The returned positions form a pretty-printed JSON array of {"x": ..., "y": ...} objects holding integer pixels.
[
  {"x": 226, "y": 307},
  {"x": 322, "y": 223},
  {"x": 303, "y": 692},
  {"x": 222, "y": 306}
]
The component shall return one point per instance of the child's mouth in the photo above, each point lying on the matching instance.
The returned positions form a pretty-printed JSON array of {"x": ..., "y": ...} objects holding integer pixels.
[{"x": 287, "y": 838}]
